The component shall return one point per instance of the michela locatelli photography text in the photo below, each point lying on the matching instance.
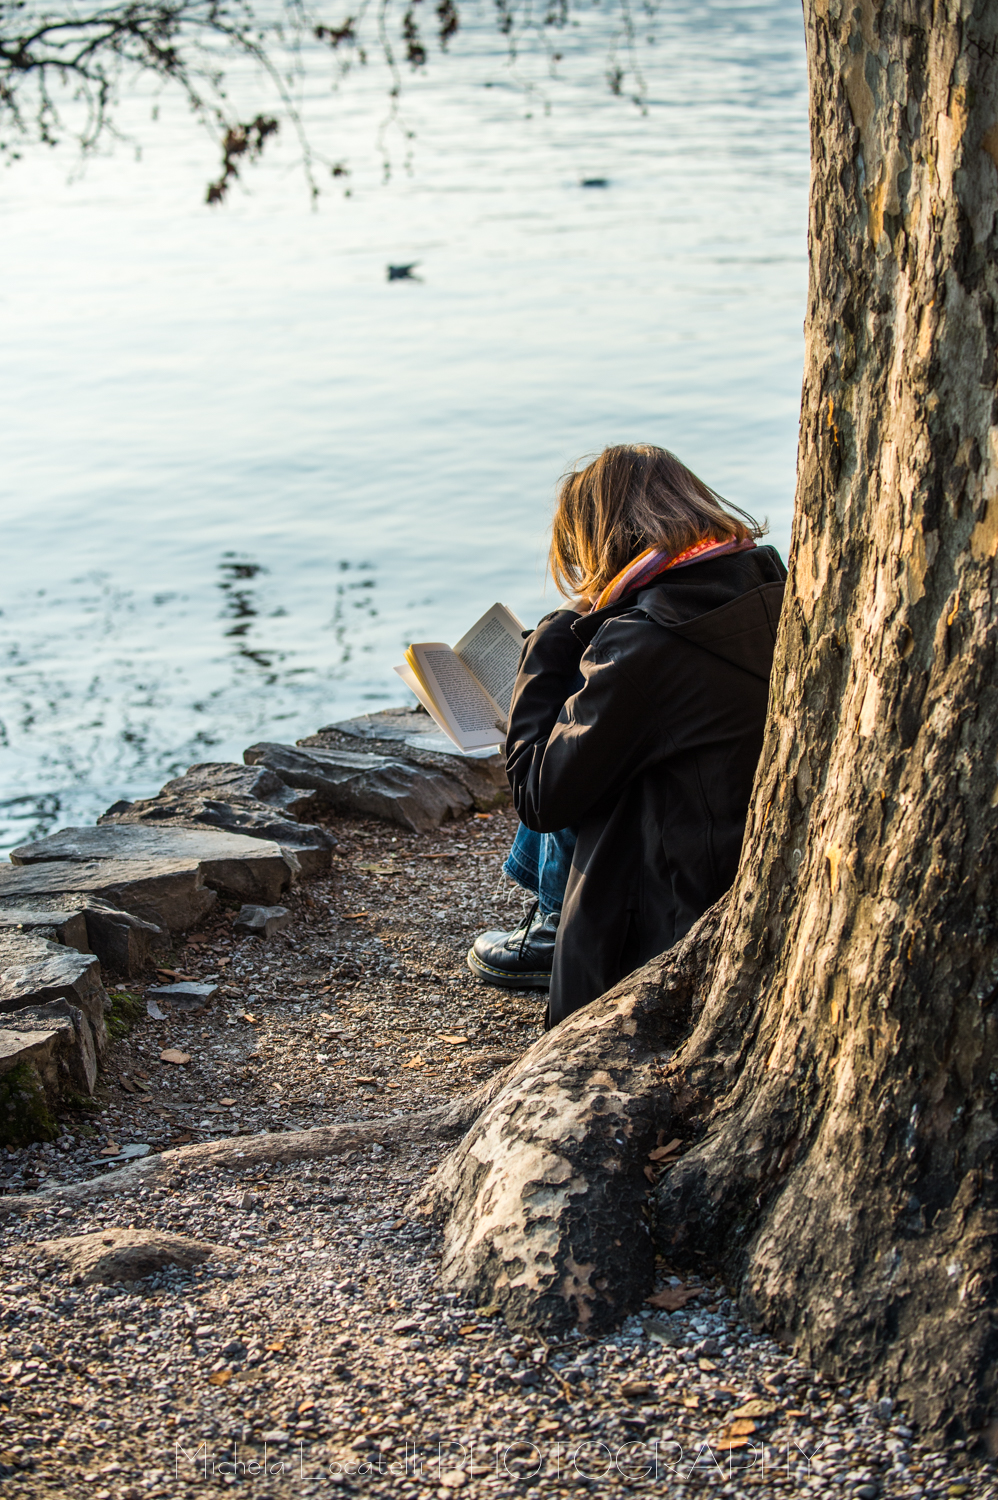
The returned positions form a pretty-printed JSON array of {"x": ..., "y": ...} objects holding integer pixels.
[
  {"x": 451, "y": 1465},
  {"x": 498, "y": 686}
]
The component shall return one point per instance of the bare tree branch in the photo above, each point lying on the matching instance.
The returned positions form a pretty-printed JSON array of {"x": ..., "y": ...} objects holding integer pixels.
[{"x": 63, "y": 71}]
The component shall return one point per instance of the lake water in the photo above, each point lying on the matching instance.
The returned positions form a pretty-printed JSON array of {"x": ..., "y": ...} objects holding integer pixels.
[{"x": 242, "y": 469}]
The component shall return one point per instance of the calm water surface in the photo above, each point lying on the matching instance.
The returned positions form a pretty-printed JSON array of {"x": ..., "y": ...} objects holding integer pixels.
[{"x": 242, "y": 470}]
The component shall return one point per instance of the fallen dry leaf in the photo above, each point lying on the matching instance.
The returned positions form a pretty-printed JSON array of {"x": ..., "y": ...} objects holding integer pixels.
[
  {"x": 660, "y": 1152},
  {"x": 351, "y": 916},
  {"x": 728, "y": 1445},
  {"x": 672, "y": 1298},
  {"x": 227, "y": 1102},
  {"x": 176, "y": 974},
  {"x": 691, "y": 1401},
  {"x": 742, "y": 1428},
  {"x": 414, "y": 1062},
  {"x": 174, "y": 1055},
  {"x": 757, "y": 1407},
  {"x": 468, "y": 1328},
  {"x": 455, "y": 1041},
  {"x": 111, "y": 1149},
  {"x": 365, "y": 1080},
  {"x": 127, "y": 1085},
  {"x": 706, "y": 1365},
  {"x": 277, "y": 1347},
  {"x": 632, "y": 1389},
  {"x": 220, "y": 1377},
  {"x": 436, "y": 856},
  {"x": 651, "y": 1175}
]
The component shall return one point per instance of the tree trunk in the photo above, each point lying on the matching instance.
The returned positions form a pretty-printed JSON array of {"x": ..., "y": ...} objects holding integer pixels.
[
  {"x": 854, "y": 1002},
  {"x": 840, "y": 1082}
]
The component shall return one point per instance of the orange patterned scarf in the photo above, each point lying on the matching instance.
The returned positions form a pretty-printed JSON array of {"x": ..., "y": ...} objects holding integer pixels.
[{"x": 655, "y": 560}]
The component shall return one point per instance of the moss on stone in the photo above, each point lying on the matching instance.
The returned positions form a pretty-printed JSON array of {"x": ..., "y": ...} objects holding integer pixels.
[
  {"x": 126, "y": 1012},
  {"x": 24, "y": 1110},
  {"x": 84, "y": 1103}
]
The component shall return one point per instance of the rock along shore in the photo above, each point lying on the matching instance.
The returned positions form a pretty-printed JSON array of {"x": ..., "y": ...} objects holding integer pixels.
[{"x": 84, "y": 904}]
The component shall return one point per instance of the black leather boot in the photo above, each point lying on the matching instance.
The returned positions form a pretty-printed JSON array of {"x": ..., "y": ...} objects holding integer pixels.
[{"x": 519, "y": 960}]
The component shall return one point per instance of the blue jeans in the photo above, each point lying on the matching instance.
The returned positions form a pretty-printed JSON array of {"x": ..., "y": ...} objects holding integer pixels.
[{"x": 540, "y": 862}]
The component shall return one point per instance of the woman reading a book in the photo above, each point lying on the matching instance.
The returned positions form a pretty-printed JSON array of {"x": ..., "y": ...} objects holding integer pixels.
[{"x": 635, "y": 726}]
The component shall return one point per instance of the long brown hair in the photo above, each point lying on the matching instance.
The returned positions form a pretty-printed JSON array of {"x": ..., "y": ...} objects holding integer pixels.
[{"x": 631, "y": 497}]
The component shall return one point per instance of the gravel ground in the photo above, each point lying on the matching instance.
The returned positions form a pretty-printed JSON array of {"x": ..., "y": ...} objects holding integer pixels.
[
  {"x": 363, "y": 1007},
  {"x": 323, "y": 1354}
]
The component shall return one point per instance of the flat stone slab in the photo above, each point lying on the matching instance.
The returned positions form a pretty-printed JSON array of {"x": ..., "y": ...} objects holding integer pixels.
[
  {"x": 247, "y": 800},
  {"x": 476, "y": 780},
  {"x": 113, "y": 1255},
  {"x": 34, "y": 971},
  {"x": 417, "y": 797},
  {"x": 124, "y": 943},
  {"x": 169, "y": 893},
  {"x": 255, "y": 869},
  {"x": 183, "y": 995},
  {"x": 407, "y": 728},
  {"x": 261, "y": 921},
  {"x": 228, "y": 781},
  {"x": 57, "y": 1042},
  {"x": 57, "y": 922},
  {"x": 387, "y": 724}
]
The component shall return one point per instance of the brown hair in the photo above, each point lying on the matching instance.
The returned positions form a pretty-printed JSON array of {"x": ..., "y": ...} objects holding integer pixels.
[{"x": 632, "y": 497}]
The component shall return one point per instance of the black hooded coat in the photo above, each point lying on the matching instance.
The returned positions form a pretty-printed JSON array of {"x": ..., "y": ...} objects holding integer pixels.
[{"x": 651, "y": 760}]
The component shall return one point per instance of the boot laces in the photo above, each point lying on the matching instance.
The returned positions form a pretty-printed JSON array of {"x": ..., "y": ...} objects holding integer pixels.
[{"x": 526, "y": 928}]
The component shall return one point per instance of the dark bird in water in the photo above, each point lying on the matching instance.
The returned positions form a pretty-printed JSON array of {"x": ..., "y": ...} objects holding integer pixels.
[
  {"x": 595, "y": 182},
  {"x": 404, "y": 273}
]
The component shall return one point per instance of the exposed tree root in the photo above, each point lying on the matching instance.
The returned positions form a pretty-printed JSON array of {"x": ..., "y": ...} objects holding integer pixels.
[
  {"x": 443, "y": 1123},
  {"x": 543, "y": 1201}
]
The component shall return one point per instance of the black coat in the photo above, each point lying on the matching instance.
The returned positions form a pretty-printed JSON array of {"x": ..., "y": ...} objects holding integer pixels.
[{"x": 652, "y": 760}]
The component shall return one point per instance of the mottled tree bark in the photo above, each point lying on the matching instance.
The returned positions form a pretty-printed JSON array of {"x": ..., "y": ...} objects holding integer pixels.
[
  {"x": 854, "y": 1001},
  {"x": 842, "y": 1070},
  {"x": 545, "y": 1200}
]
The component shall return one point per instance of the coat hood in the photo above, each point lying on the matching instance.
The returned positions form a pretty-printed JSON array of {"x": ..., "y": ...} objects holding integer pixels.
[
  {"x": 742, "y": 632},
  {"x": 727, "y": 605}
]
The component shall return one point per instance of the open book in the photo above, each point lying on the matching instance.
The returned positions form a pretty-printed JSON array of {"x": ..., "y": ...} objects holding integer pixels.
[{"x": 468, "y": 690}]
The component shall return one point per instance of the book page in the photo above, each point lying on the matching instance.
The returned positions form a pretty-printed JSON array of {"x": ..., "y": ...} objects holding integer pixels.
[
  {"x": 447, "y": 689},
  {"x": 491, "y": 651},
  {"x": 414, "y": 685}
]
